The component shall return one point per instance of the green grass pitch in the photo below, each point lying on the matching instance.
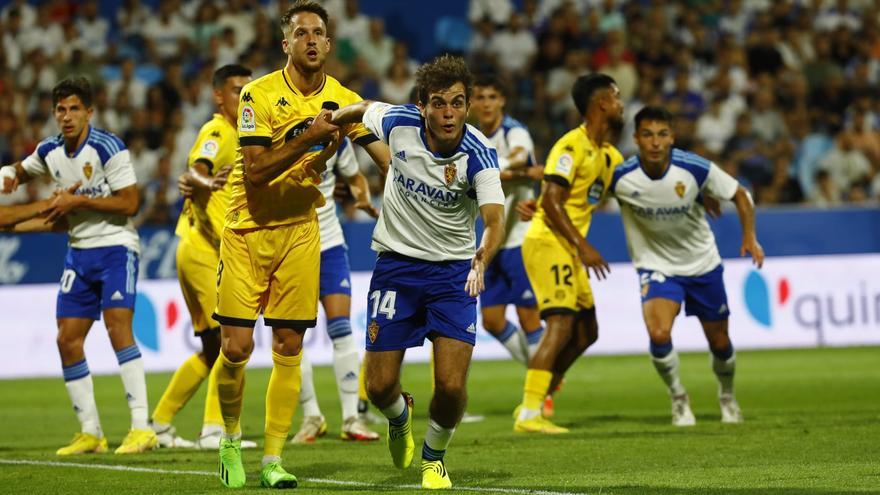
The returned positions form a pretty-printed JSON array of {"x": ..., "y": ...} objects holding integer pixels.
[{"x": 812, "y": 427}]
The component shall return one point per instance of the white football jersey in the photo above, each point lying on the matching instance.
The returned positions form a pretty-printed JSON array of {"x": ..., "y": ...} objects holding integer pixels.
[
  {"x": 512, "y": 134},
  {"x": 345, "y": 162},
  {"x": 664, "y": 219},
  {"x": 102, "y": 165},
  {"x": 430, "y": 202}
]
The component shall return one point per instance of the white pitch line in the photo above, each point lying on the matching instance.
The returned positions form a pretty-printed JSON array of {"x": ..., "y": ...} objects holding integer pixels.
[{"x": 317, "y": 481}]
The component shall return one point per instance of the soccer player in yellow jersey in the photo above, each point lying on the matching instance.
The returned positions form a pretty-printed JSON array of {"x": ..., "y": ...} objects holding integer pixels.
[
  {"x": 198, "y": 253},
  {"x": 270, "y": 247},
  {"x": 555, "y": 250}
]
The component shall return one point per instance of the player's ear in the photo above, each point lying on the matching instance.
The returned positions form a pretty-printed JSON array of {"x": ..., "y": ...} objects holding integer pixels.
[
  {"x": 284, "y": 45},
  {"x": 218, "y": 97},
  {"x": 421, "y": 107}
]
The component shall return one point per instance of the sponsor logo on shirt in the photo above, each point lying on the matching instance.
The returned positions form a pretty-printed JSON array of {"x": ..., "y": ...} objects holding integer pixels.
[
  {"x": 282, "y": 102},
  {"x": 209, "y": 148},
  {"x": 563, "y": 164},
  {"x": 247, "y": 98},
  {"x": 435, "y": 196},
  {"x": 401, "y": 155},
  {"x": 248, "y": 122},
  {"x": 594, "y": 195}
]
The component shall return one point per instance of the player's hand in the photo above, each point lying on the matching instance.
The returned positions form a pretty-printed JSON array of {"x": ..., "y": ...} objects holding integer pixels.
[
  {"x": 318, "y": 165},
  {"x": 750, "y": 245},
  {"x": 322, "y": 130},
  {"x": 63, "y": 202},
  {"x": 10, "y": 179},
  {"x": 474, "y": 284},
  {"x": 527, "y": 209},
  {"x": 220, "y": 178},
  {"x": 183, "y": 185},
  {"x": 592, "y": 259},
  {"x": 365, "y": 205},
  {"x": 535, "y": 172},
  {"x": 712, "y": 206}
]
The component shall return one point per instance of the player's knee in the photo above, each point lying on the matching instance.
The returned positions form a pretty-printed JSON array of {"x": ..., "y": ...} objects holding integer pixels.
[
  {"x": 237, "y": 351},
  {"x": 450, "y": 391},
  {"x": 719, "y": 342},
  {"x": 660, "y": 334},
  {"x": 494, "y": 324},
  {"x": 287, "y": 347},
  {"x": 69, "y": 344},
  {"x": 380, "y": 392}
]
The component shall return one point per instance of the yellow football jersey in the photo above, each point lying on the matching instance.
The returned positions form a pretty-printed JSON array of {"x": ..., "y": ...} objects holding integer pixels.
[
  {"x": 271, "y": 112},
  {"x": 204, "y": 214},
  {"x": 585, "y": 169}
]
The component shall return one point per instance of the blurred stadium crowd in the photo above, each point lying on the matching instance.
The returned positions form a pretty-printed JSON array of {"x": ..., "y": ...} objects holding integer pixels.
[{"x": 782, "y": 94}]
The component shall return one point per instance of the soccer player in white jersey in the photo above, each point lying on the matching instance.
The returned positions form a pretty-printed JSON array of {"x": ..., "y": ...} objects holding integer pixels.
[
  {"x": 674, "y": 251},
  {"x": 428, "y": 274},
  {"x": 100, "y": 269},
  {"x": 334, "y": 289},
  {"x": 505, "y": 278}
]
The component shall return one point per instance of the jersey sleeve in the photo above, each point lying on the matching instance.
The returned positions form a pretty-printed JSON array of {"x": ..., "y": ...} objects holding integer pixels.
[
  {"x": 487, "y": 184},
  {"x": 380, "y": 118},
  {"x": 35, "y": 163},
  {"x": 206, "y": 147},
  {"x": 719, "y": 183},
  {"x": 254, "y": 118},
  {"x": 479, "y": 159},
  {"x": 346, "y": 162},
  {"x": 518, "y": 137},
  {"x": 119, "y": 171},
  {"x": 561, "y": 166}
]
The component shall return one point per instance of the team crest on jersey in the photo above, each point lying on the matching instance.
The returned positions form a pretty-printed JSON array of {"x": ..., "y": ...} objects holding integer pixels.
[
  {"x": 87, "y": 170},
  {"x": 645, "y": 288},
  {"x": 679, "y": 189},
  {"x": 373, "y": 331},
  {"x": 450, "y": 174}
]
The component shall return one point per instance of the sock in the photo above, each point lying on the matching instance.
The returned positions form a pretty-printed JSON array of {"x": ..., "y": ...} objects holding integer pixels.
[
  {"x": 345, "y": 367},
  {"x": 509, "y": 338},
  {"x": 183, "y": 385},
  {"x": 212, "y": 417},
  {"x": 436, "y": 441},
  {"x": 397, "y": 413},
  {"x": 667, "y": 367},
  {"x": 81, "y": 390},
  {"x": 362, "y": 388},
  {"x": 230, "y": 391},
  {"x": 308, "y": 399},
  {"x": 533, "y": 338},
  {"x": 131, "y": 368},
  {"x": 724, "y": 366},
  {"x": 534, "y": 391},
  {"x": 284, "y": 384}
]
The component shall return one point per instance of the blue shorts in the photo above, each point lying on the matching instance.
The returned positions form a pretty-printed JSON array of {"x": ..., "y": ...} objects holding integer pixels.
[
  {"x": 507, "y": 282},
  {"x": 335, "y": 272},
  {"x": 411, "y": 298},
  {"x": 96, "y": 279},
  {"x": 704, "y": 295}
]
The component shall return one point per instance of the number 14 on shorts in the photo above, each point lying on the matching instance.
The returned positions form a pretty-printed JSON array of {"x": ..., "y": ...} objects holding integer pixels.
[{"x": 384, "y": 303}]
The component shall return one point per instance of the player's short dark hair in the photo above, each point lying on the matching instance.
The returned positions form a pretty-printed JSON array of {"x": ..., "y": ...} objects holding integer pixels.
[
  {"x": 441, "y": 73},
  {"x": 654, "y": 114},
  {"x": 73, "y": 86},
  {"x": 227, "y": 71},
  {"x": 492, "y": 80},
  {"x": 586, "y": 86},
  {"x": 304, "y": 6}
]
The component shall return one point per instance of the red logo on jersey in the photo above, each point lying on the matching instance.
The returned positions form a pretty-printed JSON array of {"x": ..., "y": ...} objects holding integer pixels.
[
  {"x": 679, "y": 189},
  {"x": 87, "y": 170},
  {"x": 450, "y": 173}
]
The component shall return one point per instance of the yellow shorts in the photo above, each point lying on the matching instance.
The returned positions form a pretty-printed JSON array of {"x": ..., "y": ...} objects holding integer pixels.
[
  {"x": 558, "y": 277},
  {"x": 273, "y": 270},
  {"x": 197, "y": 273}
]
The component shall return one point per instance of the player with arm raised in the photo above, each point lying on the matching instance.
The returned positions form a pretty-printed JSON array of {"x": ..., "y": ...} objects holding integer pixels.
[
  {"x": 674, "y": 251},
  {"x": 428, "y": 273},
  {"x": 100, "y": 269},
  {"x": 506, "y": 279},
  {"x": 335, "y": 295},
  {"x": 270, "y": 246}
]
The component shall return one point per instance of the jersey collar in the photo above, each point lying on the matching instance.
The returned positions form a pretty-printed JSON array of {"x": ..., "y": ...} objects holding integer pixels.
[
  {"x": 454, "y": 152},
  {"x": 296, "y": 91},
  {"x": 81, "y": 146}
]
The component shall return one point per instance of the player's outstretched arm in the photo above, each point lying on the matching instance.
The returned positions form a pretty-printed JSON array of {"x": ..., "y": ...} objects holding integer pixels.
[
  {"x": 198, "y": 177},
  {"x": 350, "y": 114},
  {"x": 360, "y": 189},
  {"x": 10, "y": 216},
  {"x": 125, "y": 201},
  {"x": 745, "y": 208},
  {"x": 553, "y": 198},
  {"x": 262, "y": 164},
  {"x": 493, "y": 233},
  {"x": 12, "y": 176}
]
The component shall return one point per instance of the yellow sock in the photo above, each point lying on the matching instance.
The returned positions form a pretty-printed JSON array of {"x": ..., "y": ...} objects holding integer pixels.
[
  {"x": 535, "y": 389},
  {"x": 431, "y": 367},
  {"x": 362, "y": 382},
  {"x": 281, "y": 400},
  {"x": 212, "y": 399},
  {"x": 183, "y": 385},
  {"x": 230, "y": 390}
]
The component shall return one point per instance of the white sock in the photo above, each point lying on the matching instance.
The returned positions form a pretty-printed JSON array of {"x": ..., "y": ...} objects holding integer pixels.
[
  {"x": 526, "y": 414},
  {"x": 346, "y": 365},
  {"x": 209, "y": 429},
  {"x": 231, "y": 436},
  {"x": 511, "y": 340},
  {"x": 437, "y": 439},
  {"x": 81, "y": 390},
  {"x": 270, "y": 458},
  {"x": 533, "y": 338},
  {"x": 724, "y": 371},
  {"x": 396, "y": 409},
  {"x": 131, "y": 369},
  {"x": 308, "y": 399},
  {"x": 667, "y": 368}
]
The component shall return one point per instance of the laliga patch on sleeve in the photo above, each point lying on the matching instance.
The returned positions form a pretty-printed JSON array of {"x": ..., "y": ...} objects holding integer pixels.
[
  {"x": 248, "y": 121},
  {"x": 209, "y": 148},
  {"x": 563, "y": 164}
]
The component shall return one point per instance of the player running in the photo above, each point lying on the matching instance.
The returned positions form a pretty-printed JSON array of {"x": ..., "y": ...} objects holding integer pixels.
[
  {"x": 335, "y": 295},
  {"x": 674, "y": 251},
  {"x": 428, "y": 274},
  {"x": 100, "y": 269}
]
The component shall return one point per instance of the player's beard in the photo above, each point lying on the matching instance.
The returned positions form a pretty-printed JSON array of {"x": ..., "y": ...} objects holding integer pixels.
[{"x": 615, "y": 128}]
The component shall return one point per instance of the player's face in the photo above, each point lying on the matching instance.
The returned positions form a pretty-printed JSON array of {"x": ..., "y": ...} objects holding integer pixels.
[
  {"x": 226, "y": 97},
  {"x": 72, "y": 116},
  {"x": 615, "y": 111},
  {"x": 306, "y": 43},
  {"x": 445, "y": 114},
  {"x": 488, "y": 105},
  {"x": 654, "y": 139}
]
